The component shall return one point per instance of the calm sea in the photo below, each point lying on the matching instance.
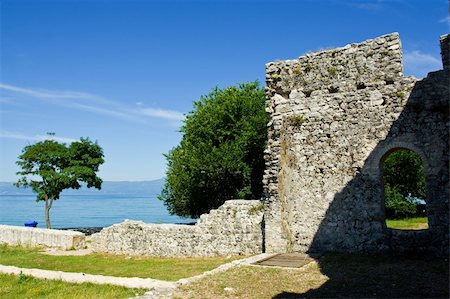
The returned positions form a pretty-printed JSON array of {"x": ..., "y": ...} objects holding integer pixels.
[{"x": 86, "y": 210}]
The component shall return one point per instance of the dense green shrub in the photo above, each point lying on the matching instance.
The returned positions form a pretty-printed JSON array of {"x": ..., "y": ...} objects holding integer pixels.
[
  {"x": 397, "y": 206},
  {"x": 404, "y": 184},
  {"x": 221, "y": 154}
]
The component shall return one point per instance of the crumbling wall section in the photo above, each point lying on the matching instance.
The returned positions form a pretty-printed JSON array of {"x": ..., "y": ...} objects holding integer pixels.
[{"x": 232, "y": 229}]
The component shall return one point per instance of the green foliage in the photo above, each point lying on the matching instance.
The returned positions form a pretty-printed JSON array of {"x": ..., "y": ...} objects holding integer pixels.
[
  {"x": 275, "y": 76},
  {"x": 256, "y": 209},
  {"x": 49, "y": 167},
  {"x": 296, "y": 120},
  {"x": 22, "y": 278},
  {"x": 332, "y": 70},
  {"x": 403, "y": 169},
  {"x": 400, "y": 94},
  {"x": 397, "y": 206},
  {"x": 297, "y": 70},
  {"x": 220, "y": 156},
  {"x": 404, "y": 180},
  {"x": 308, "y": 67}
]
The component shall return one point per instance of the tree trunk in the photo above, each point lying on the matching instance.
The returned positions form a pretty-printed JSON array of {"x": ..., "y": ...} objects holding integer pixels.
[{"x": 48, "y": 206}]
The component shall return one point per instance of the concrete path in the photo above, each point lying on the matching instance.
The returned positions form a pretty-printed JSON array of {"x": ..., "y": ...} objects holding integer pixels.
[
  {"x": 158, "y": 288},
  {"x": 133, "y": 282}
]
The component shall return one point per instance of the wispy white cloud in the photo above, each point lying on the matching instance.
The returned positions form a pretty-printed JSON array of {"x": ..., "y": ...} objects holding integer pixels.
[
  {"x": 364, "y": 4},
  {"x": 96, "y": 104},
  {"x": 373, "y": 5},
  {"x": 51, "y": 94},
  {"x": 20, "y": 136},
  {"x": 162, "y": 113},
  {"x": 11, "y": 135},
  {"x": 116, "y": 113},
  {"x": 420, "y": 64},
  {"x": 445, "y": 20},
  {"x": 367, "y": 6}
]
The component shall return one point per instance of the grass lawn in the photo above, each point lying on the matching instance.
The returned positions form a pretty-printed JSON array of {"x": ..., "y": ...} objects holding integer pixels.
[
  {"x": 21, "y": 286},
  {"x": 170, "y": 269},
  {"x": 415, "y": 223},
  {"x": 332, "y": 276}
]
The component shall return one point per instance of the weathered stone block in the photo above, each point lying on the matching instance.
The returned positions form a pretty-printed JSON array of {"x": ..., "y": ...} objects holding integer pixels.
[{"x": 31, "y": 236}]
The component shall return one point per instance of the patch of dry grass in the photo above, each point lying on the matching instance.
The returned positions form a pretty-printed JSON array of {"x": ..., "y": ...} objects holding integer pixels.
[
  {"x": 332, "y": 276},
  {"x": 255, "y": 282}
]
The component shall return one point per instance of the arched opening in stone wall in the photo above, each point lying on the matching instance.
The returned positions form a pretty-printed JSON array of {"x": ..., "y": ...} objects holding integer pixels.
[{"x": 404, "y": 184}]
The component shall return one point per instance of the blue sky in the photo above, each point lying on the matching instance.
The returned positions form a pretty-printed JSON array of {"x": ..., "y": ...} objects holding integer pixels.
[{"x": 124, "y": 72}]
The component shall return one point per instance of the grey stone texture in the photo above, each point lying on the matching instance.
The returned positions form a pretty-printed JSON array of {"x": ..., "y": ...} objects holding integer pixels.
[
  {"x": 232, "y": 229},
  {"x": 334, "y": 116},
  {"x": 51, "y": 238}
]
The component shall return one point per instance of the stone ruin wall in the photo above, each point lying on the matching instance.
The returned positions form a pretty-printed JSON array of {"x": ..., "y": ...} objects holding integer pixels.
[
  {"x": 232, "y": 229},
  {"x": 334, "y": 115}
]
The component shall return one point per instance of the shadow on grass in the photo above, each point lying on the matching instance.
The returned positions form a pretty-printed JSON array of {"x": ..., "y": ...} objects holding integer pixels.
[{"x": 380, "y": 276}]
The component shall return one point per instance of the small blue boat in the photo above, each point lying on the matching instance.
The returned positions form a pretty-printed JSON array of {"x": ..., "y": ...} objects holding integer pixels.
[{"x": 31, "y": 223}]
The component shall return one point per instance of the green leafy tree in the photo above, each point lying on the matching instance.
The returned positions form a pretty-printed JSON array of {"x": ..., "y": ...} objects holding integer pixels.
[
  {"x": 49, "y": 167},
  {"x": 221, "y": 154},
  {"x": 404, "y": 180},
  {"x": 398, "y": 206}
]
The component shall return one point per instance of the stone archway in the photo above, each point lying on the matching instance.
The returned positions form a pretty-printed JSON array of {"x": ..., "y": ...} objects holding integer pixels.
[{"x": 333, "y": 116}]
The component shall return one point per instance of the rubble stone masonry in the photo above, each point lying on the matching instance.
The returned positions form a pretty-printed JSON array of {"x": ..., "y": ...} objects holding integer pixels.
[
  {"x": 232, "y": 229},
  {"x": 334, "y": 116}
]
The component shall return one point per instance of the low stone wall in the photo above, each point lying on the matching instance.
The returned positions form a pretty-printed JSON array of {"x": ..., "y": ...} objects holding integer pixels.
[
  {"x": 232, "y": 229},
  {"x": 30, "y": 236}
]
